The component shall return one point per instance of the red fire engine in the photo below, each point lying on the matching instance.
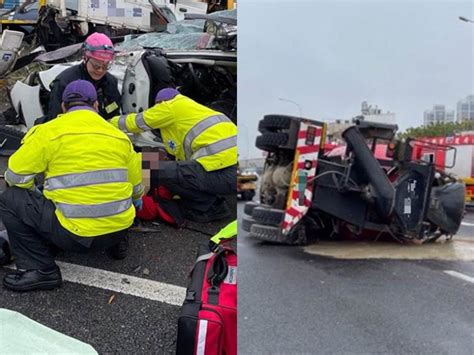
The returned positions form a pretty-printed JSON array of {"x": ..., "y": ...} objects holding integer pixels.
[{"x": 459, "y": 161}]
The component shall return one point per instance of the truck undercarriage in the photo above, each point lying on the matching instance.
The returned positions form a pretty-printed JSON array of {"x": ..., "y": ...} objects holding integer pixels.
[{"x": 308, "y": 193}]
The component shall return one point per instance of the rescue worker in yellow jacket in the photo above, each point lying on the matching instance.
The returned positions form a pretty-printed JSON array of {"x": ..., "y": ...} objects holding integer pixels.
[
  {"x": 92, "y": 180},
  {"x": 204, "y": 143}
]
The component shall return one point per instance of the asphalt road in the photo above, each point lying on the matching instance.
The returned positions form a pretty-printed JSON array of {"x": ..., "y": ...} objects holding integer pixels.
[
  {"x": 129, "y": 324},
  {"x": 291, "y": 301},
  {"x": 118, "y": 322}
]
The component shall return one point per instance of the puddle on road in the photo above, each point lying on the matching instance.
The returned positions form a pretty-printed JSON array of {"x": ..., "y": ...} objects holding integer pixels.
[{"x": 461, "y": 249}]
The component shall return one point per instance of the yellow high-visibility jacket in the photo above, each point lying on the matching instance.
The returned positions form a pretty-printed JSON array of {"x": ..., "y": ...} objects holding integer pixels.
[
  {"x": 190, "y": 131},
  {"x": 91, "y": 171}
]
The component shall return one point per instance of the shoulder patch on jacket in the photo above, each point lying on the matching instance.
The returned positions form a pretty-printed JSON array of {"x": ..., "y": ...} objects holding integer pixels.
[{"x": 171, "y": 144}]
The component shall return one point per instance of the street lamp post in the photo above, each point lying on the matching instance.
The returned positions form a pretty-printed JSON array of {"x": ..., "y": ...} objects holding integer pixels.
[
  {"x": 465, "y": 19},
  {"x": 293, "y": 102}
]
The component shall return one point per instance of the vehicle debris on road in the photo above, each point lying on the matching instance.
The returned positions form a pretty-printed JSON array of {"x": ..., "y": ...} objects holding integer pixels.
[{"x": 207, "y": 75}]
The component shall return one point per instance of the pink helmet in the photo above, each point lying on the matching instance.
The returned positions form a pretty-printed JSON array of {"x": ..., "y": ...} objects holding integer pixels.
[{"x": 99, "y": 46}]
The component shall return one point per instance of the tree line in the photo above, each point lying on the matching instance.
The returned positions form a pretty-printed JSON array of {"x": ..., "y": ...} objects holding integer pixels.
[{"x": 438, "y": 129}]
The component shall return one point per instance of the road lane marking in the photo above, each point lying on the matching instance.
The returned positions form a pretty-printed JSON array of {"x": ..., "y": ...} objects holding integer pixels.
[
  {"x": 113, "y": 281},
  {"x": 130, "y": 285},
  {"x": 467, "y": 224},
  {"x": 460, "y": 276}
]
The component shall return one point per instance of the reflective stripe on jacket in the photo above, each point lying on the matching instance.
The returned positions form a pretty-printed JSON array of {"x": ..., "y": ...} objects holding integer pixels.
[
  {"x": 190, "y": 131},
  {"x": 91, "y": 171}
]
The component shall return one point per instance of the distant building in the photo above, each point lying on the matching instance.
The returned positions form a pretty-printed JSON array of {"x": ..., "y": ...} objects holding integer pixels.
[
  {"x": 465, "y": 109},
  {"x": 252, "y": 163},
  {"x": 335, "y": 129},
  {"x": 439, "y": 114},
  {"x": 374, "y": 114},
  {"x": 368, "y": 113}
]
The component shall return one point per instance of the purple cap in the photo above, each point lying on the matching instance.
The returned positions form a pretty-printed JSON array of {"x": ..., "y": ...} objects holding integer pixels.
[
  {"x": 80, "y": 91},
  {"x": 166, "y": 95}
]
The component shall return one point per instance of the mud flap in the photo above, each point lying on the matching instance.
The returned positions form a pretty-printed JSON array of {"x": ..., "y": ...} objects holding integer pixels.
[{"x": 448, "y": 207}]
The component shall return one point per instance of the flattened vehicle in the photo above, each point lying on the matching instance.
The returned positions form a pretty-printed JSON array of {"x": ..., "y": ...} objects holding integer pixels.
[
  {"x": 309, "y": 192},
  {"x": 207, "y": 73}
]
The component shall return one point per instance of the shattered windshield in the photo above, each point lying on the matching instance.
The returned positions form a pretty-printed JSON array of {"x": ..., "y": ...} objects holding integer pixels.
[
  {"x": 183, "y": 41},
  {"x": 181, "y": 35},
  {"x": 187, "y": 26}
]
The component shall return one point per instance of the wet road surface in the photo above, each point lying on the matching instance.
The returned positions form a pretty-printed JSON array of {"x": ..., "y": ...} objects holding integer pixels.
[{"x": 315, "y": 300}]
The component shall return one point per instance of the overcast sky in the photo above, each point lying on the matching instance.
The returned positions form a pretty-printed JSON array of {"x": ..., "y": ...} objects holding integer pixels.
[{"x": 329, "y": 56}]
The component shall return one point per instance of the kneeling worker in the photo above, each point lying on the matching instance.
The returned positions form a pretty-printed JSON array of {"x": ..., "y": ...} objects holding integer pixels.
[
  {"x": 204, "y": 143},
  {"x": 91, "y": 173}
]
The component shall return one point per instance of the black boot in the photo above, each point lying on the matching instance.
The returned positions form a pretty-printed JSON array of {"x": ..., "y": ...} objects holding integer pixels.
[
  {"x": 119, "y": 250},
  {"x": 30, "y": 280}
]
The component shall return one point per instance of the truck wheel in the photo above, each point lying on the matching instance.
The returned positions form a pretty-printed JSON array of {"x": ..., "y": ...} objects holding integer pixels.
[
  {"x": 248, "y": 195},
  {"x": 249, "y": 207},
  {"x": 274, "y": 122},
  {"x": 273, "y": 234},
  {"x": 270, "y": 141},
  {"x": 270, "y": 234},
  {"x": 268, "y": 216},
  {"x": 247, "y": 223}
]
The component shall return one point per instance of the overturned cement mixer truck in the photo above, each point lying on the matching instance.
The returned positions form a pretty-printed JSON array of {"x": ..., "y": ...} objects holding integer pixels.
[{"x": 370, "y": 187}]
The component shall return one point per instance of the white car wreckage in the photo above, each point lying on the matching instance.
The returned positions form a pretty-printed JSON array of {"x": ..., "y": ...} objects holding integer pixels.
[{"x": 198, "y": 56}]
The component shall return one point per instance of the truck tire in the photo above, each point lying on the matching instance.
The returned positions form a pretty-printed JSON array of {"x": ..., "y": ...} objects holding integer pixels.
[
  {"x": 249, "y": 207},
  {"x": 273, "y": 234},
  {"x": 247, "y": 223},
  {"x": 270, "y": 234},
  {"x": 247, "y": 195},
  {"x": 270, "y": 141},
  {"x": 274, "y": 122},
  {"x": 268, "y": 216}
]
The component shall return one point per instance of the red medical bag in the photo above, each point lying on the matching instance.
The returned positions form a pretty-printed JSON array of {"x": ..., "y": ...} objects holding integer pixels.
[{"x": 207, "y": 324}]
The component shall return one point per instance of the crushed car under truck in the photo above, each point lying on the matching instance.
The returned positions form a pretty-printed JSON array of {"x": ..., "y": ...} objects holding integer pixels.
[
  {"x": 308, "y": 193},
  {"x": 206, "y": 73}
]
